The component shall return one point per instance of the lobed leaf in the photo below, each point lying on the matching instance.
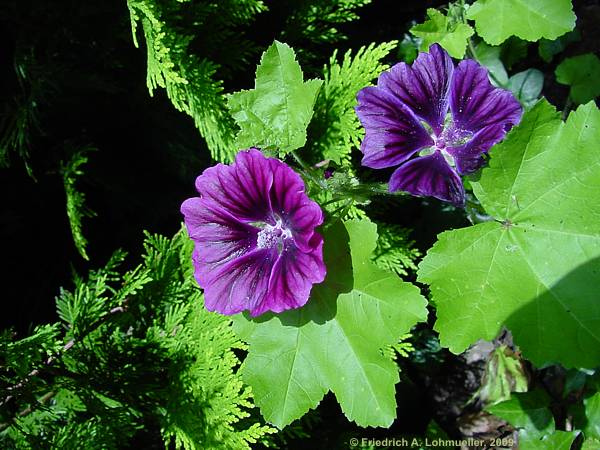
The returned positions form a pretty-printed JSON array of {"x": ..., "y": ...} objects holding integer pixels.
[
  {"x": 438, "y": 28},
  {"x": 276, "y": 113},
  {"x": 497, "y": 20},
  {"x": 335, "y": 342},
  {"x": 582, "y": 74}
]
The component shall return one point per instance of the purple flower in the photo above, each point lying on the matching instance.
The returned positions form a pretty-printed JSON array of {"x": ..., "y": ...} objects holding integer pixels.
[
  {"x": 449, "y": 116},
  {"x": 253, "y": 227}
]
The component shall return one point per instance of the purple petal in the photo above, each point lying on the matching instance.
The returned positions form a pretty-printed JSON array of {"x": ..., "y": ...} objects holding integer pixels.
[
  {"x": 476, "y": 104},
  {"x": 292, "y": 278},
  {"x": 469, "y": 157},
  {"x": 221, "y": 236},
  {"x": 429, "y": 176},
  {"x": 290, "y": 202},
  {"x": 241, "y": 188},
  {"x": 242, "y": 284},
  {"x": 263, "y": 280},
  {"x": 424, "y": 86},
  {"x": 393, "y": 132}
]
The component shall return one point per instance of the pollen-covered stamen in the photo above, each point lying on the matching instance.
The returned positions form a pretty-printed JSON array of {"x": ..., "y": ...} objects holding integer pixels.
[
  {"x": 455, "y": 137},
  {"x": 273, "y": 236}
]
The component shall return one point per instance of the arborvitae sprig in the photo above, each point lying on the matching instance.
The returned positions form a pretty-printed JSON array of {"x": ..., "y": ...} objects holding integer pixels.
[
  {"x": 76, "y": 207},
  {"x": 335, "y": 130},
  {"x": 403, "y": 348},
  {"x": 19, "y": 117},
  {"x": 139, "y": 352},
  {"x": 194, "y": 82},
  {"x": 315, "y": 24},
  {"x": 395, "y": 250}
]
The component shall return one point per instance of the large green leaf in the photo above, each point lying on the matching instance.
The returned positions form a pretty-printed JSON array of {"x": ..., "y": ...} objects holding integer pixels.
[
  {"x": 497, "y": 20},
  {"x": 438, "y": 28},
  {"x": 582, "y": 73},
  {"x": 536, "y": 268},
  {"x": 335, "y": 341},
  {"x": 489, "y": 56},
  {"x": 276, "y": 113}
]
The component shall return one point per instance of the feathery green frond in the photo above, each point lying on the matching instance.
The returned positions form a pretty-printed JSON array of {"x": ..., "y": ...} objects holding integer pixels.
[
  {"x": 19, "y": 118},
  {"x": 335, "y": 129},
  {"x": 317, "y": 21},
  {"x": 76, "y": 208},
  {"x": 192, "y": 81},
  {"x": 395, "y": 250},
  {"x": 139, "y": 349},
  {"x": 403, "y": 348}
]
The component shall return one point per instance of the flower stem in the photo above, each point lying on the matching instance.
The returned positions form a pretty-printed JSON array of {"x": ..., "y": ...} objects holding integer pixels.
[{"x": 308, "y": 171}]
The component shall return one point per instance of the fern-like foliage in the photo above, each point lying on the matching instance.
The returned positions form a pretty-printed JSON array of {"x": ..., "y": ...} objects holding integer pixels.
[
  {"x": 207, "y": 399},
  {"x": 395, "y": 250},
  {"x": 314, "y": 24},
  {"x": 335, "y": 129},
  {"x": 76, "y": 207},
  {"x": 139, "y": 350},
  {"x": 403, "y": 348},
  {"x": 193, "y": 82},
  {"x": 19, "y": 117}
]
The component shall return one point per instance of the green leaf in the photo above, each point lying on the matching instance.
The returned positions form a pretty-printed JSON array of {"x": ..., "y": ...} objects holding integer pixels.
[
  {"x": 559, "y": 440},
  {"x": 335, "y": 342},
  {"x": 276, "y": 113},
  {"x": 490, "y": 57},
  {"x": 528, "y": 411},
  {"x": 592, "y": 414},
  {"x": 536, "y": 267},
  {"x": 531, "y": 20},
  {"x": 530, "y": 414},
  {"x": 439, "y": 28},
  {"x": 408, "y": 48},
  {"x": 582, "y": 73},
  {"x": 527, "y": 86}
]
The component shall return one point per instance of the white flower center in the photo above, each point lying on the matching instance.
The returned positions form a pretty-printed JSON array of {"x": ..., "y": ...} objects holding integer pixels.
[
  {"x": 449, "y": 137},
  {"x": 273, "y": 235}
]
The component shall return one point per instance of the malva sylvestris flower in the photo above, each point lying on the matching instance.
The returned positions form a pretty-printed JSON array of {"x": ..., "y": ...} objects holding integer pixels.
[
  {"x": 449, "y": 117},
  {"x": 253, "y": 227}
]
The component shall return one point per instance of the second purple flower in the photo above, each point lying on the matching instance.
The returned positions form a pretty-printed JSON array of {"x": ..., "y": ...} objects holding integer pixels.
[{"x": 449, "y": 116}]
